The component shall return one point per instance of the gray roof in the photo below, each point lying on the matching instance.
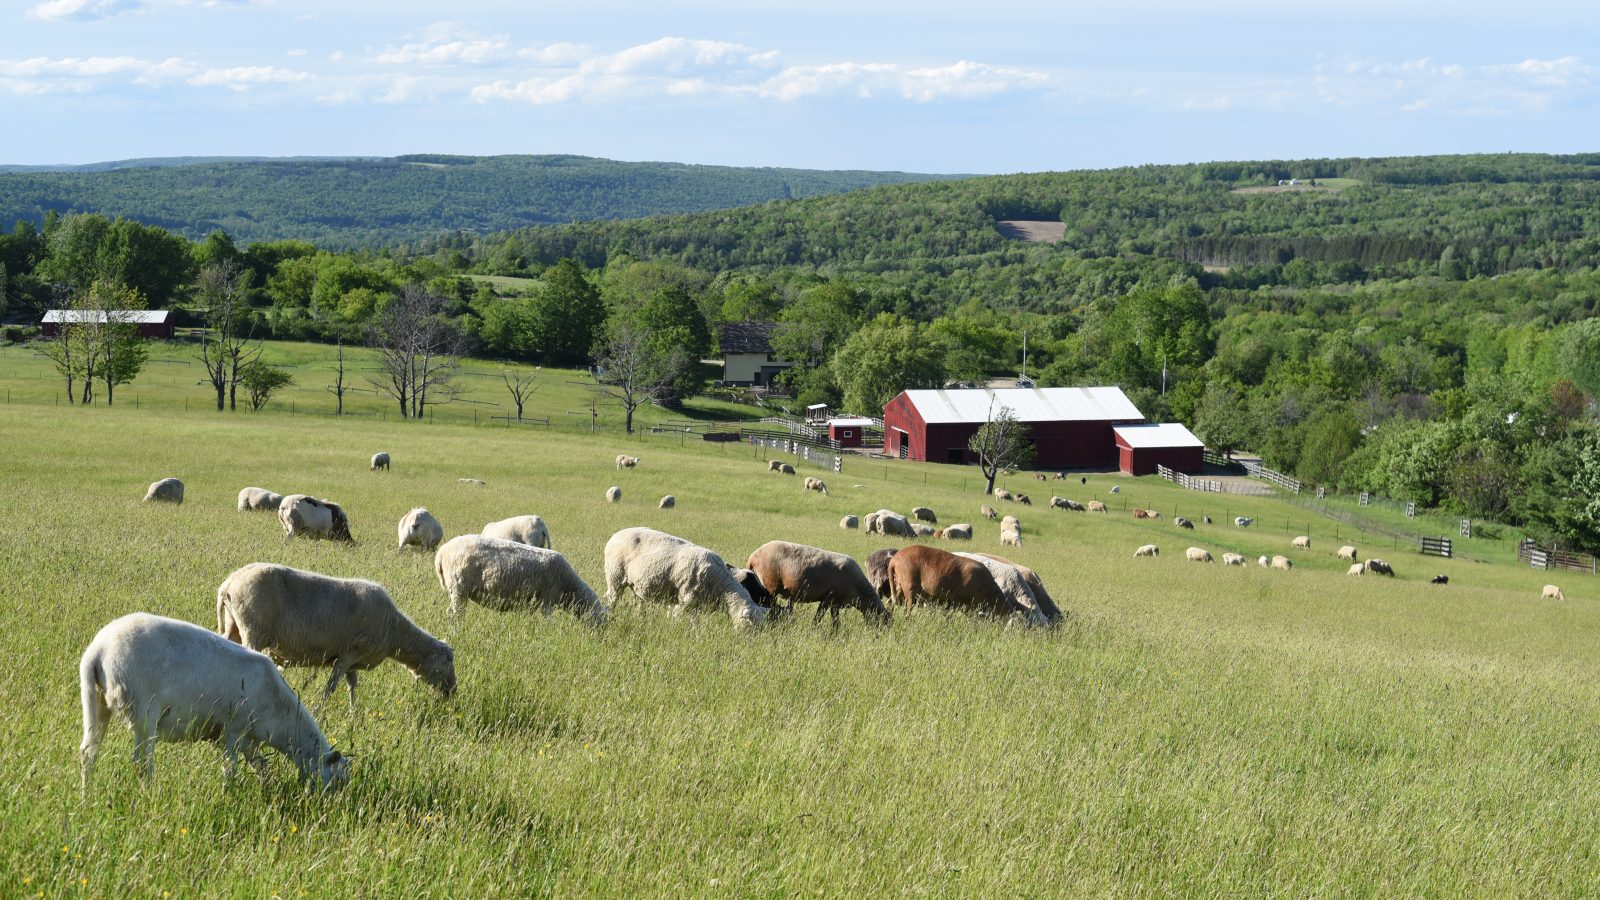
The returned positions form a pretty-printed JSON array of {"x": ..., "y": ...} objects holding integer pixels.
[
  {"x": 746, "y": 337},
  {"x": 1147, "y": 437},
  {"x": 1062, "y": 404},
  {"x": 129, "y": 316}
]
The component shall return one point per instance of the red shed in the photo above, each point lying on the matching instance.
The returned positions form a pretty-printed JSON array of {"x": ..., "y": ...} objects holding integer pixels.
[
  {"x": 848, "y": 432},
  {"x": 1140, "y": 448},
  {"x": 153, "y": 323},
  {"x": 1070, "y": 427}
]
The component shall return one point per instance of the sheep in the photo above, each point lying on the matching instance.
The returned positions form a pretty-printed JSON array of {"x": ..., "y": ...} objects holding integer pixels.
[
  {"x": 380, "y": 461},
  {"x": 258, "y": 498},
  {"x": 1206, "y": 519},
  {"x": 508, "y": 575},
  {"x": 924, "y": 514},
  {"x": 786, "y": 469},
  {"x": 878, "y": 570},
  {"x": 1147, "y": 550},
  {"x": 1356, "y": 569},
  {"x": 1009, "y": 578},
  {"x": 1064, "y": 503},
  {"x": 1232, "y": 559},
  {"x": 869, "y": 523},
  {"x": 961, "y": 532},
  {"x": 472, "y": 482},
  {"x": 1380, "y": 567},
  {"x": 1551, "y": 592},
  {"x": 987, "y": 511},
  {"x": 419, "y": 527},
  {"x": 1264, "y": 562},
  {"x": 1040, "y": 476},
  {"x": 624, "y": 461},
  {"x": 918, "y": 574},
  {"x": 1347, "y": 552},
  {"x": 1302, "y": 543},
  {"x": 1243, "y": 521},
  {"x": 173, "y": 681},
  {"x": 1140, "y": 513},
  {"x": 663, "y": 568},
  {"x": 1198, "y": 554},
  {"x": 815, "y": 484},
  {"x": 751, "y": 582},
  {"x": 1010, "y": 523},
  {"x": 613, "y": 494},
  {"x": 1024, "y": 500},
  {"x": 1096, "y": 506},
  {"x": 1116, "y": 489},
  {"x": 920, "y": 530},
  {"x": 849, "y": 522},
  {"x": 667, "y": 502},
  {"x": 774, "y": 465},
  {"x": 1010, "y": 538},
  {"x": 530, "y": 530},
  {"x": 889, "y": 522},
  {"x": 1439, "y": 579},
  {"x": 1282, "y": 562},
  {"x": 1181, "y": 522},
  {"x": 803, "y": 574},
  {"x": 301, "y": 515},
  {"x": 167, "y": 490},
  {"x": 1003, "y": 494},
  {"x": 1047, "y": 603},
  {"x": 301, "y": 618}
]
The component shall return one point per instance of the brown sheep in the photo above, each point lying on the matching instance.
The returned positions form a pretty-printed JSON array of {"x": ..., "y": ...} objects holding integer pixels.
[
  {"x": 927, "y": 574},
  {"x": 803, "y": 574}
]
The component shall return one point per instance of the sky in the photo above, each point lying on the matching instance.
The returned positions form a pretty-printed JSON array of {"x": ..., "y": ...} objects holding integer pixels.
[{"x": 932, "y": 86}]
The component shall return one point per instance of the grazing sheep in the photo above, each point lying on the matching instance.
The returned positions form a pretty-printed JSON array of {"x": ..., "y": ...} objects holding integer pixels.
[
  {"x": 1147, "y": 550},
  {"x": 1040, "y": 476},
  {"x": 1439, "y": 579},
  {"x": 1243, "y": 521},
  {"x": 303, "y": 516},
  {"x": 167, "y": 490},
  {"x": 1356, "y": 569},
  {"x": 786, "y": 469},
  {"x": 962, "y": 532},
  {"x": 613, "y": 494},
  {"x": 869, "y": 523},
  {"x": 1116, "y": 489},
  {"x": 1232, "y": 559},
  {"x": 751, "y": 582},
  {"x": 1264, "y": 562},
  {"x": 663, "y": 568},
  {"x": 474, "y": 482},
  {"x": 1198, "y": 554},
  {"x": 922, "y": 573},
  {"x": 1062, "y": 476},
  {"x": 920, "y": 530},
  {"x": 924, "y": 514},
  {"x": 380, "y": 461},
  {"x": 1551, "y": 592},
  {"x": 774, "y": 465},
  {"x": 1010, "y": 523},
  {"x": 1064, "y": 503},
  {"x": 258, "y": 498},
  {"x": 419, "y": 527},
  {"x": 1142, "y": 513},
  {"x": 1009, "y": 578},
  {"x": 1024, "y": 500},
  {"x": 1282, "y": 562},
  {"x": 1096, "y": 506},
  {"x": 667, "y": 502},
  {"x": 1380, "y": 567},
  {"x": 508, "y": 575},
  {"x": 1302, "y": 543},
  {"x": 301, "y": 618},
  {"x": 878, "y": 570},
  {"x": 1047, "y": 603},
  {"x": 802, "y": 574},
  {"x": 815, "y": 484},
  {"x": 172, "y": 681},
  {"x": 1010, "y": 538},
  {"x": 1002, "y": 494},
  {"x": 624, "y": 461},
  {"x": 529, "y": 530},
  {"x": 1347, "y": 552},
  {"x": 889, "y": 522},
  {"x": 987, "y": 511},
  {"x": 849, "y": 522},
  {"x": 1181, "y": 522},
  {"x": 1206, "y": 519}
]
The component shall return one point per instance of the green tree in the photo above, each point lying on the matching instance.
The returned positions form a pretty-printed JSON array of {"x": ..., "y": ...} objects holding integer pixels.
[
  {"x": 816, "y": 324},
  {"x": 1222, "y": 419},
  {"x": 1330, "y": 437},
  {"x": 1001, "y": 444},
  {"x": 261, "y": 381},
  {"x": 566, "y": 314},
  {"x": 886, "y": 356}
]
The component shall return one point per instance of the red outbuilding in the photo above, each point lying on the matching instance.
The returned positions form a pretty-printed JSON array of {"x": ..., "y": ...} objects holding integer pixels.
[
  {"x": 153, "y": 323},
  {"x": 848, "y": 432},
  {"x": 1140, "y": 448},
  {"x": 1070, "y": 426}
]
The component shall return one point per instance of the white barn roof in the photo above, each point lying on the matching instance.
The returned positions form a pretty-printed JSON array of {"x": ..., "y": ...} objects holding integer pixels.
[
  {"x": 1150, "y": 437},
  {"x": 1061, "y": 404},
  {"x": 128, "y": 316}
]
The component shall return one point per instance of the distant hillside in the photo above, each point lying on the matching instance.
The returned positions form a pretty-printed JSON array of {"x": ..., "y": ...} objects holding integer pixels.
[{"x": 349, "y": 202}]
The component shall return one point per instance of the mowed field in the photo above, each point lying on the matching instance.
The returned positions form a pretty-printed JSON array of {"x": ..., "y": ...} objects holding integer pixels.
[{"x": 1192, "y": 729}]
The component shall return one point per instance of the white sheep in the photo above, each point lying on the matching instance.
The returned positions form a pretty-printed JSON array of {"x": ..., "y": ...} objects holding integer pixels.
[
  {"x": 167, "y": 490},
  {"x": 1010, "y": 523},
  {"x": 420, "y": 529},
  {"x": 1347, "y": 552},
  {"x": 1243, "y": 521},
  {"x": 1181, "y": 522},
  {"x": 171, "y": 681},
  {"x": 988, "y": 512},
  {"x": 1232, "y": 559},
  {"x": 786, "y": 469},
  {"x": 505, "y": 575},
  {"x": 624, "y": 461},
  {"x": 1356, "y": 569},
  {"x": 1010, "y": 538},
  {"x": 667, "y": 502},
  {"x": 815, "y": 484},
  {"x": 1302, "y": 543},
  {"x": 1198, "y": 554},
  {"x": 1003, "y": 494},
  {"x": 613, "y": 494},
  {"x": 301, "y": 618},
  {"x": 920, "y": 530},
  {"x": 1008, "y": 576},
  {"x": 303, "y": 516},
  {"x": 958, "y": 532},
  {"x": 1147, "y": 550},
  {"x": 889, "y": 522},
  {"x": 1282, "y": 562},
  {"x": 1380, "y": 567},
  {"x": 1264, "y": 562},
  {"x": 1096, "y": 506},
  {"x": 849, "y": 522},
  {"x": 1551, "y": 592},
  {"x": 472, "y": 482},
  {"x": 528, "y": 530},
  {"x": 663, "y": 568},
  {"x": 1116, "y": 489},
  {"x": 380, "y": 461},
  {"x": 1064, "y": 503},
  {"x": 924, "y": 514},
  {"x": 258, "y": 498}
]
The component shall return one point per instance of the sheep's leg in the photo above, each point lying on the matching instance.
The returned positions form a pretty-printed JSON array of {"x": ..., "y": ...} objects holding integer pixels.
[
  {"x": 350, "y": 680},
  {"x": 144, "y": 748},
  {"x": 252, "y": 755},
  {"x": 340, "y": 669}
]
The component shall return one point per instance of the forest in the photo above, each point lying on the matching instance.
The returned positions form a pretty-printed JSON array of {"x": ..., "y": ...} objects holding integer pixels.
[{"x": 1427, "y": 328}]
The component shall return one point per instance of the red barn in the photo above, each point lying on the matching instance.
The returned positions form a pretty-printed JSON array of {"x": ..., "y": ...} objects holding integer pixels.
[
  {"x": 1070, "y": 426},
  {"x": 153, "y": 323},
  {"x": 1140, "y": 448},
  {"x": 848, "y": 432}
]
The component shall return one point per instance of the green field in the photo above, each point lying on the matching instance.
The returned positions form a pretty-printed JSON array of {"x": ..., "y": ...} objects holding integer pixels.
[{"x": 1191, "y": 730}]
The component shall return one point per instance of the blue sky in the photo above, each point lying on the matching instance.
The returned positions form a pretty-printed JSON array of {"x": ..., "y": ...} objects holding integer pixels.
[{"x": 932, "y": 86}]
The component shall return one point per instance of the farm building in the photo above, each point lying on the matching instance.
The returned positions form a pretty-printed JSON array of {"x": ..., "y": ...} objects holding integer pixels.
[
  {"x": 747, "y": 357},
  {"x": 153, "y": 323},
  {"x": 848, "y": 432},
  {"x": 1140, "y": 448},
  {"x": 1070, "y": 426}
]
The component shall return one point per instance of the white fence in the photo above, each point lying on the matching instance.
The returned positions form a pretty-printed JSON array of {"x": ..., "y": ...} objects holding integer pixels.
[{"x": 1186, "y": 481}]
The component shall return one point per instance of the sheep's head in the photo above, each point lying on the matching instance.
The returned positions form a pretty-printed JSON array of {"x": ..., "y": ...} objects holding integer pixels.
[
  {"x": 437, "y": 668},
  {"x": 341, "y": 523},
  {"x": 751, "y": 582},
  {"x": 333, "y": 770}
]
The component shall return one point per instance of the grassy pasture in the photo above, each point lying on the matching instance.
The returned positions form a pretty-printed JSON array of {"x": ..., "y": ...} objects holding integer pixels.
[{"x": 1192, "y": 730}]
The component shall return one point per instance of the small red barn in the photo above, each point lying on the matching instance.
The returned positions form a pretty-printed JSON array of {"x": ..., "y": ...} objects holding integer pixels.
[
  {"x": 153, "y": 323},
  {"x": 848, "y": 432},
  {"x": 1070, "y": 426},
  {"x": 1140, "y": 448}
]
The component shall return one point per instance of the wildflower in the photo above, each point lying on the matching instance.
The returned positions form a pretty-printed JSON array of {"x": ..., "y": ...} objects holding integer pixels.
[
  {"x": 83, "y": 881},
  {"x": 183, "y": 831},
  {"x": 65, "y": 849},
  {"x": 294, "y": 829}
]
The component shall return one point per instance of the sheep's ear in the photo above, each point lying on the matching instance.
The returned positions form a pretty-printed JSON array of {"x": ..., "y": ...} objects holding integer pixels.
[{"x": 333, "y": 756}]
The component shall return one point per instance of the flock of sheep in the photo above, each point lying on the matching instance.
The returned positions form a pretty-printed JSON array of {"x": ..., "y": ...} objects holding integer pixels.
[{"x": 170, "y": 680}]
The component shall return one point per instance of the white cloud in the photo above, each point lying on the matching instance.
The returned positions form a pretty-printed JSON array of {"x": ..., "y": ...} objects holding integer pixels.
[
  {"x": 240, "y": 78},
  {"x": 82, "y": 10},
  {"x": 1426, "y": 85},
  {"x": 297, "y": 52}
]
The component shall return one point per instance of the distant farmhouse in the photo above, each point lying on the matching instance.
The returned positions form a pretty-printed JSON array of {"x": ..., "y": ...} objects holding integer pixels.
[
  {"x": 153, "y": 323},
  {"x": 747, "y": 357}
]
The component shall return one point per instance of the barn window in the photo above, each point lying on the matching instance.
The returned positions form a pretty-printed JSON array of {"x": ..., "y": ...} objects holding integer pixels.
[{"x": 845, "y": 432}]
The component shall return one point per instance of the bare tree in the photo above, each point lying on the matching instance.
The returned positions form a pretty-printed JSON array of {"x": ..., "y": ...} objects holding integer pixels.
[
  {"x": 634, "y": 370},
  {"x": 229, "y": 346},
  {"x": 521, "y": 387},
  {"x": 419, "y": 351},
  {"x": 1001, "y": 444},
  {"x": 338, "y": 388}
]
